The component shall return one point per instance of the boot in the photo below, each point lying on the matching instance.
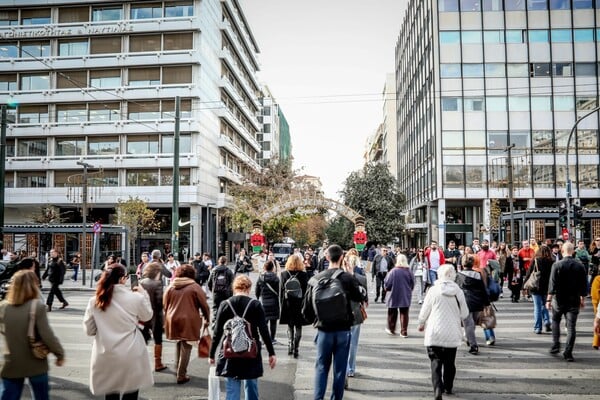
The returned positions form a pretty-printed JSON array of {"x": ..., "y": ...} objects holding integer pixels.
[
  {"x": 296, "y": 346},
  {"x": 290, "y": 336},
  {"x": 158, "y": 365}
]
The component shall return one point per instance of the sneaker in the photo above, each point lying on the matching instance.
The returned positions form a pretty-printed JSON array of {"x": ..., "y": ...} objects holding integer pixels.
[
  {"x": 390, "y": 333},
  {"x": 275, "y": 342},
  {"x": 474, "y": 350},
  {"x": 350, "y": 375},
  {"x": 548, "y": 327},
  {"x": 501, "y": 295},
  {"x": 491, "y": 341},
  {"x": 568, "y": 357},
  {"x": 404, "y": 335},
  {"x": 537, "y": 332},
  {"x": 420, "y": 301},
  {"x": 555, "y": 349}
]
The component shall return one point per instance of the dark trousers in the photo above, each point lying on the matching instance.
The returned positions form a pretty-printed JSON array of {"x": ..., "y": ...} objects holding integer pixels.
[
  {"x": 379, "y": 288},
  {"x": 126, "y": 396},
  {"x": 273, "y": 328},
  {"x": 443, "y": 369},
  {"x": 392, "y": 318},
  {"x": 570, "y": 314},
  {"x": 55, "y": 290}
]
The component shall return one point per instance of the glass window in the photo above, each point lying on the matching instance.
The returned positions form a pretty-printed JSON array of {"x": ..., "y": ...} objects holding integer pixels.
[
  {"x": 70, "y": 146},
  {"x": 449, "y": 37},
  {"x": 144, "y": 76},
  {"x": 168, "y": 109},
  {"x": 104, "y": 112},
  {"x": 470, "y": 5},
  {"x": 178, "y": 41},
  {"x": 453, "y": 176},
  {"x": 474, "y": 104},
  {"x": 538, "y": 35},
  {"x": 452, "y": 142},
  {"x": 179, "y": 9},
  {"x": 35, "y": 81},
  {"x": 518, "y": 103},
  {"x": 514, "y": 5},
  {"x": 185, "y": 144},
  {"x": 492, "y": 5},
  {"x": 144, "y": 110},
  {"x": 540, "y": 69},
  {"x": 562, "y": 69},
  {"x": 36, "y": 16},
  {"x": 472, "y": 70},
  {"x": 142, "y": 178},
  {"x": 514, "y": 36},
  {"x": 495, "y": 70},
  {"x": 9, "y": 17},
  {"x": 178, "y": 74},
  {"x": 166, "y": 177},
  {"x": 142, "y": 144},
  {"x": 561, "y": 36},
  {"x": 471, "y": 37},
  {"x": 543, "y": 176},
  {"x": 71, "y": 113},
  {"x": 450, "y": 70},
  {"x": 139, "y": 43},
  {"x": 579, "y": 4},
  {"x": 560, "y": 4},
  {"x": 495, "y": 103},
  {"x": 110, "y": 177},
  {"x": 497, "y": 141},
  {"x": 474, "y": 176},
  {"x": 586, "y": 103},
  {"x": 73, "y": 14},
  {"x": 451, "y": 104},
  {"x": 588, "y": 176},
  {"x": 475, "y": 140},
  {"x": 35, "y": 49},
  {"x": 103, "y": 145},
  {"x": 448, "y": 5},
  {"x": 71, "y": 79},
  {"x": 587, "y": 141},
  {"x": 8, "y": 82},
  {"x": 583, "y": 35},
  {"x": 493, "y": 36},
  {"x": 585, "y": 69},
  {"x": 33, "y": 114},
  {"x": 563, "y": 103},
  {"x": 542, "y": 142},
  {"x": 105, "y": 78},
  {"x": 520, "y": 139},
  {"x": 107, "y": 13},
  {"x": 72, "y": 47},
  {"x": 146, "y": 10},
  {"x": 32, "y": 148},
  {"x": 31, "y": 179},
  {"x": 9, "y": 50},
  {"x": 105, "y": 45},
  {"x": 541, "y": 103},
  {"x": 537, "y": 5}
]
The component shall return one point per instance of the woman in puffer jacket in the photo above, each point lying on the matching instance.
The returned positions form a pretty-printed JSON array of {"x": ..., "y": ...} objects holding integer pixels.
[{"x": 267, "y": 291}]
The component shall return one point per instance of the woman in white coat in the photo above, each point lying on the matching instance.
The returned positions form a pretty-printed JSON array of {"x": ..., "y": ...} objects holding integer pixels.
[
  {"x": 119, "y": 365},
  {"x": 440, "y": 317}
]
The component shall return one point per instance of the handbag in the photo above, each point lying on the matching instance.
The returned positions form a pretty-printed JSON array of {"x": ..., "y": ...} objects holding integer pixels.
[
  {"x": 204, "y": 343},
  {"x": 487, "y": 318},
  {"x": 533, "y": 283},
  {"x": 38, "y": 347},
  {"x": 363, "y": 311}
]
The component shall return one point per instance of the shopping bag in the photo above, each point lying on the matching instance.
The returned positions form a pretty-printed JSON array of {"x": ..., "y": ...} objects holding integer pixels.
[{"x": 214, "y": 391}]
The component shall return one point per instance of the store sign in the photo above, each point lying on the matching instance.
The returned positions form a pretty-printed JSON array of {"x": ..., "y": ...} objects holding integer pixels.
[{"x": 54, "y": 31}]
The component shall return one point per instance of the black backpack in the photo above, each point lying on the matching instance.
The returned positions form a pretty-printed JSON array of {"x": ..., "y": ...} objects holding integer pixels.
[
  {"x": 329, "y": 300},
  {"x": 292, "y": 288},
  {"x": 221, "y": 283}
]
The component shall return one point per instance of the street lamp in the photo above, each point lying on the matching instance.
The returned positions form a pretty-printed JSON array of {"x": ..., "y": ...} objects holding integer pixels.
[
  {"x": 82, "y": 244},
  {"x": 568, "y": 191}
]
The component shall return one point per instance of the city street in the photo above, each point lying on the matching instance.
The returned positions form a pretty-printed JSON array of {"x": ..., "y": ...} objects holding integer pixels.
[{"x": 517, "y": 367}]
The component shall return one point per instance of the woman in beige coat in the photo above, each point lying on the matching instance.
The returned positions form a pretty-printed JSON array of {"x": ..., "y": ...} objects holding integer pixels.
[
  {"x": 119, "y": 365},
  {"x": 182, "y": 300}
]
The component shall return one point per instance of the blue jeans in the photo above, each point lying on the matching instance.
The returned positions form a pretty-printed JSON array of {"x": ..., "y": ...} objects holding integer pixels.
[
  {"x": 354, "y": 335},
  {"x": 336, "y": 346},
  {"x": 489, "y": 334},
  {"x": 14, "y": 387},
  {"x": 233, "y": 389},
  {"x": 432, "y": 277},
  {"x": 75, "y": 272},
  {"x": 540, "y": 313}
]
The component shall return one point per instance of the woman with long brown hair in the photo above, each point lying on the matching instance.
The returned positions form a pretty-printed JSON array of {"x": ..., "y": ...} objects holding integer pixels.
[
  {"x": 291, "y": 301},
  {"x": 119, "y": 365},
  {"x": 152, "y": 283},
  {"x": 23, "y": 297}
]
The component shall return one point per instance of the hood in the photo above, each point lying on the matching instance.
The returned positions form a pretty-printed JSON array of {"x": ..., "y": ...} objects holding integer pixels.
[
  {"x": 270, "y": 277},
  {"x": 448, "y": 288},
  {"x": 180, "y": 283}
]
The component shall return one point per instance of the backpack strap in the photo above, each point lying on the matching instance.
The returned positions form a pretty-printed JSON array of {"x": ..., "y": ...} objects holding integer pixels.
[
  {"x": 231, "y": 307},
  {"x": 271, "y": 288},
  {"x": 246, "y": 309},
  {"x": 337, "y": 273}
]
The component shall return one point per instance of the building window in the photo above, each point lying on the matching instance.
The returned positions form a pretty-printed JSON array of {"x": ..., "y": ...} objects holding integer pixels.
[
  {"x": 71, "y": 113},
  {"x": 517, "y": 70},
  {"x": 142, "y": 178},
  {"x": 493, "y": 36},
  {"x": 35, "y": 82},
  {"x": 563, "y": 103},
  {"x": 541, "y": 103},
  {"x": 144, "y": 76},
  {"x": 537, "y": 5},
  {"x": 32, "y": 148},
  {"x": 70, "y": 47},
  {"x": 514, "y": 5},
  {"x": 178, "y": 41},
  {"x": 168, "y": 109},
  {"x": 540, "y": 69},
  {"x": 142, "y": 144},
  {"x": 471, "y": 37},
  {"x": 36, "y": 16},
  {"x": 538, "y": 35},
  {"x": 105, "y": 45},
  {"x": 146, "y": 11},
  {"x": 495, "y": 103},
  {"x": 107, "y": 13},
  {"x": 470, "y": 5},
  {"x": 472, "y": 70},
  {"x": 144, "y": 110},
  {"x": 492, "y": 5},
  {"x": 542, "y": 142},
  {"x": 588, "y": 176},
  {"x": 140, "y": 43},
  {"x": 562, "y": 69},
  {"x": 70, "y": 146},
  {"x": 585, "y": 69},
  {"x": 561, "y": 36},
  {"x": 105, "y": 78},
  {"x": 453, "y": 177},
  {"x": 514, "y": 36},
  {"x": 496, "y": 142},
  {"x": 177, "y": 74},
  {"x": 166, "y": 177},
  {"x": 102, "y": 112},
  {"x": 98, "y": 146},
  {"x": 518, "y": 103},
  {"x": 560, "y": 4},
  {"x": 583, "y": 35},
  {"x": 494, "y": 70},
  {"x": 179, "y": 9},
  {"x": 586, "y": 103},
  {"x": 31, "y": 179},
  {"x": 587, "y": 141},
  {"x": 543, "y": 176},
  {"x": 450, "y": 70},
  {"x": 73, "y": 14},
  {"x": 9, "y": 17},
  {"x": 71, "y": 79},
  {"x": 32, "y": 114},
  {"x": 8, "y": 82},
  {"x": 185, "y": 144},
  {"x": 451, "y": 104},
  {"x": 579, "y": 4},
  {"x": 474, "y": 176},
  {"x": 447, "y": 37},
  {"x": 474, "y": 104},
  {"x": 452, "y": 142},
  {"x": 35, "y": 49},
  {"x": 9, "y": 50}
]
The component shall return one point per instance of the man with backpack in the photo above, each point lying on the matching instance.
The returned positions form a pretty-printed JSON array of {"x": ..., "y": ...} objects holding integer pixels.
[
  {"x": 327, "y": 304},
  {"x": 219, "y": 283}
]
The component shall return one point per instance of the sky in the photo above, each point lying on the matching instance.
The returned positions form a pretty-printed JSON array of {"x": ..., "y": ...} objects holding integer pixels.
[{"x": 325, "y": 62}]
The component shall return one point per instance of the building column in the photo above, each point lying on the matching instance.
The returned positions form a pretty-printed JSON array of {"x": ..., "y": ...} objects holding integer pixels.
[
  {"x": 441, "y": 207},
  {"x": 195, "y": 229},
  {"x": 486, "y": 206}
]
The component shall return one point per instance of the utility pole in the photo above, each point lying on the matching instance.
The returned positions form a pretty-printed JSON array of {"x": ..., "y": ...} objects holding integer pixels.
[
  {"x": 175, "y": 211},
  {"x": 84, "y": 200},
  {"x": 2, "y": 171},
  {"x": 511, "y": 200}
]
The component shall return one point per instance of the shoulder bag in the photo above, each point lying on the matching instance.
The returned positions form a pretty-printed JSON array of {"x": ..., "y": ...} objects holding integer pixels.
[
  {"x": 205, "y": 342},
  {"x": 533, "y": 283},
  {"x": 38, "y": 347}
]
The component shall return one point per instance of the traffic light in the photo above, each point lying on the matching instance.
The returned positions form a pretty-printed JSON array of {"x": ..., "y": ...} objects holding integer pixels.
[
  {"x": 577, "y": 215},
  {"x": 562, "y": 213}
]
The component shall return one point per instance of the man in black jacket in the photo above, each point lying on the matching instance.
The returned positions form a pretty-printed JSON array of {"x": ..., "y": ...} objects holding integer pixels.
[
  {"x": 566, "y": 294},
  {"x": 382, "y": 263},
  {"x": 55, "y": 274}
]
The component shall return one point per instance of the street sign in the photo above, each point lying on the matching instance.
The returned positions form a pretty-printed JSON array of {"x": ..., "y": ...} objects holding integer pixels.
[{"x": 97, "y": 228}]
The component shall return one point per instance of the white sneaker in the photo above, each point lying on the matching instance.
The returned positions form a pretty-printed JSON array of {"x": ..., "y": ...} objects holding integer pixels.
[
  {"x": 390, "y": 333},
  {"x": 420, "y": 301}
]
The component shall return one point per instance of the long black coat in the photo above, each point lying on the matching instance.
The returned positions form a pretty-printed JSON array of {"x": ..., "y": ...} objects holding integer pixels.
[
  {"x": 291, "y": 310},
  {"x": 474, "y": 290},
  {"x": 267, "y": 291}
]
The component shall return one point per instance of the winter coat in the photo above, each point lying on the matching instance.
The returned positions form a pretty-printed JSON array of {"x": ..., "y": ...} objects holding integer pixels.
[
  {"x": 241, "y": 368},
  {"x": 119, "y": 361},
  {"x": 243, "y": 265},
  {"x": 55, "y": 271},
  {"x": 154, "y": 289},
  {"x": 291, "y": 309},
  {"x": 377, "y": 263},
  {"x": 181, "y": 303},
  {"x": 545, "y": 267},
  {"x": 510, "y": 272},
  {"x": 474, "y": 289},
  {"x": 356, "y": 305},
  {"x": 442, "y": 313},
  {"x": 267, "y": 291},
  {"x": 219, "y": 297},
  {"x": 399, "y": 283},
  {"x": 202, "y": 271}
]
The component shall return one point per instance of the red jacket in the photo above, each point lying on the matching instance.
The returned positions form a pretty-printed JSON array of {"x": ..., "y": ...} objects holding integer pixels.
[{"x": 442, "y": 258}]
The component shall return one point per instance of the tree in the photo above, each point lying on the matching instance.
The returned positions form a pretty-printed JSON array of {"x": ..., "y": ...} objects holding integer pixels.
[
  {"x": 137, "y": 218},
  {"x": 340, "y": 231},
  {"x": 48, "y": 215},
  {"x": 373, "y": 192}
]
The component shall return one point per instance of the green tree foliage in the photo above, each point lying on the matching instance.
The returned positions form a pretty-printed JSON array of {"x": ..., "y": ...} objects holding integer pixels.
[
  {"x": 373, "y": 192},
  {"x": 340, "y": 231},
  {"x": 137, "y": 218}
]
